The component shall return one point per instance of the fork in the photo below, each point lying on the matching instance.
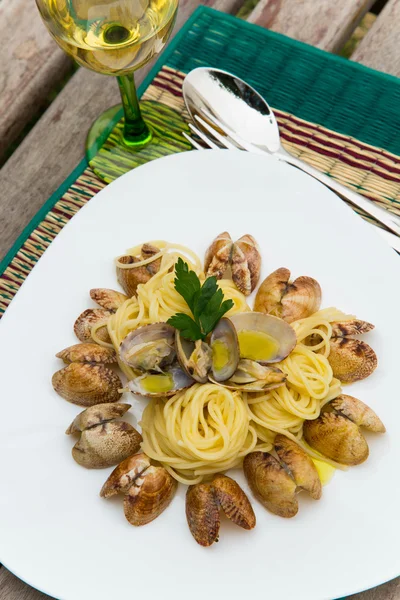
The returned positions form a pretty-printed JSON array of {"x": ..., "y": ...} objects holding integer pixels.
[{"x": 381, "y": 215}]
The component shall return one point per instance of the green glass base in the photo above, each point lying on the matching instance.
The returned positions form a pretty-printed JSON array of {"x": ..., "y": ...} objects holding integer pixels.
[{"x": 110, "y": 157}]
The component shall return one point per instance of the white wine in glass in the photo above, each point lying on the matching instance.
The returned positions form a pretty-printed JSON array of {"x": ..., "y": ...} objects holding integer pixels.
[{"x": 116, "y": 37}]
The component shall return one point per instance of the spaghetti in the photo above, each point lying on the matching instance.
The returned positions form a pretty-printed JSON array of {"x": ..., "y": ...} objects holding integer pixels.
[{"x": 208, "y": 428}]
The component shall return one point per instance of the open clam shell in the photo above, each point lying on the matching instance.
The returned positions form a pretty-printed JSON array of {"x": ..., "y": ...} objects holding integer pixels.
[
  {"x": 149, "y": 348},
  {"x": 108, "y": 299},
  {"x": 299, "y": 464},
  {"x": 88, "y": 319},
  {"x": 87, "y": 384},
  {"x": 271, "y": 484},
  {"x": 165, "y": 384},
  {"x": 225, "y": 350},
  {"x": 337, "y": 438},
  {"x": 149, "y": 496},
  {"x": 194, "y": 357},
  {"x": 96, "y": 415},
  {"x": 106, "y": 445},
  {"x": 351, "y": 360},
  {"x": 263, "y": 338},
  {"x": 250, "y": 376}
]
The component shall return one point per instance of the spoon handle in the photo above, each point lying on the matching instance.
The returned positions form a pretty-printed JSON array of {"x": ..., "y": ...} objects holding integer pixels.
[{"x": 382, "y": 215}]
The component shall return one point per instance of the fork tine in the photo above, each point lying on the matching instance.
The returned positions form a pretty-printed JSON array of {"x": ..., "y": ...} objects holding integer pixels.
[
  {"x": 221, "y": 138},
  {"x": 241, "y": 143},
  {"x": 203, "y": 136},
  {"x": 192, "y": 141}
]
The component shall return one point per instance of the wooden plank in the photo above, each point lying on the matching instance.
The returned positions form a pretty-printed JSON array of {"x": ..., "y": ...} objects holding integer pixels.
[
  {"x": 321, "y": 23},
  {"x": 56, "y": 144},
  {"x": 380, "y": 47},
  {"x": 12, "y": 588},
  {"x": 32, "y": 65}
]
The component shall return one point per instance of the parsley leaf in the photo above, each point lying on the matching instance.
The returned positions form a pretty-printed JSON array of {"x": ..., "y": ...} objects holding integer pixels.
[
  {"x": 188, "y": 328},
  {"x": 187, "y": 284},
  {"x": 205, "y": 301}
]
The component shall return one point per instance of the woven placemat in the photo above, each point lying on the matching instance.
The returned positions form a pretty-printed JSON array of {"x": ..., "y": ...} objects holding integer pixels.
[{"x": 305, "y": 86}]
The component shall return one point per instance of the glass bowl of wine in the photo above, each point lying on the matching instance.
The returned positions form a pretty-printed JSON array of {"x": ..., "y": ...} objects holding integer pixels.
[{"x": 117, "y": 37}]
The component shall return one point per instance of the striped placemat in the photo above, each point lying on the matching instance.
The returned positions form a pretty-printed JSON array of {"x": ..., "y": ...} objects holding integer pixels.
[{"x": 372, "y": 171}]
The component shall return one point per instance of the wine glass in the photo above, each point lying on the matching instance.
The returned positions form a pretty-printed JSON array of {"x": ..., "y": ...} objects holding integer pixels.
[{"x": 116, "y": 37}]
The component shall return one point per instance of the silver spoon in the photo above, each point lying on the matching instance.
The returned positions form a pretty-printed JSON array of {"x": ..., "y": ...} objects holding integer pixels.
[{"x": 243, "y": 114}]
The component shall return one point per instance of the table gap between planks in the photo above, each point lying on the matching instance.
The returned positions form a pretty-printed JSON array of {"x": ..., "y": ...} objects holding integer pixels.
[{"x": 33, "y": 66}]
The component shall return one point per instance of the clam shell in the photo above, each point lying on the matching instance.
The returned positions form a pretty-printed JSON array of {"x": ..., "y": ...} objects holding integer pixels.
[
  {"x": 202, "y": 513},
  {"x": 148, "y": 250},
  {"x": 270, "y": 292},
  {"x": 337, "y": 438},
  {"x": 88, "y": 353},
  {"x": 234, "y": 501},
  {"x": 302, "y": 299},
  {"x": 358, "y": 412},
  {"x": 280, "y": 331},
  {"x": 299, "y": 464},
  {"x": 90, "y": 317},
  {"x": 180, "y": 379},
  {"x": 352, "y": 327},
  {"x": 351, "y": 360},
  {"x": 218, "y": 256},
  {"x": 106, "y": 445},
  {"x": 270, "y": 379},
  {"x": 124, "y": 475},
  {"x": 271, "y": 484},
  {"x": 225, "y": 333},
  {"x": 246, "y": 264},
  {"x": 129, "y": 279},
  {"x": 194, "y": 360},
  {"x": 149, "y": 496},
  {"x": 108, "y": 299},
  {"x": 86, "y": 384},
  {"x": 139, "y": 349},
  {"x": 95, "y": 415},
  {"x": 290, "y": 301}
]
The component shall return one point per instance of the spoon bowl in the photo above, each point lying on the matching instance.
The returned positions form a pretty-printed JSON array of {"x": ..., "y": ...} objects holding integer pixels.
[{"x": 234, "y": 103}]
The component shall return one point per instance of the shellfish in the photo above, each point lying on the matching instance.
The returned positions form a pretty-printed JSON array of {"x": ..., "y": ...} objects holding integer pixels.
[
  {"x": 88, "y": 353},
  {"x": 149, "y": 495},
  {"x": 108, "y": 299},
  {"x": 96, "y": 415},
  {"x": 90, "y": 318},
  {"x": 289, "y": 301},
  {"x": 87, "y": 384},
  {"x": 106, "y": 444}
]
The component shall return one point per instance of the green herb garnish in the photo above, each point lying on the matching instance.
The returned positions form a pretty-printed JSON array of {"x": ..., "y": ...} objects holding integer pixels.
[{"x": 205, "y": 301}]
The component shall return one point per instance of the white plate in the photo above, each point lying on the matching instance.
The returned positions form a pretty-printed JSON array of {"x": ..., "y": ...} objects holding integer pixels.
[{"x": 55, "y": 531}]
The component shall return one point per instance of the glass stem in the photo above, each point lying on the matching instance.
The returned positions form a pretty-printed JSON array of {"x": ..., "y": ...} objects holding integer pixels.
[{"x": 135, "y": 129}]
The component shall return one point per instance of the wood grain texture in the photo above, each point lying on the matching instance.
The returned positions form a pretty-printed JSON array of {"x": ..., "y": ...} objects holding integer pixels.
[
  {"x": 380, "y": 49},
  {"x": 56, "y": 144},
  {"x": 31, "y": 66},
  {"x": 321, "y": 23}
]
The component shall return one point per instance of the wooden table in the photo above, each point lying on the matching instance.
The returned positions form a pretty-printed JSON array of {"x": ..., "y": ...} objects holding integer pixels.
[{"x": 33, "y": 66}]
